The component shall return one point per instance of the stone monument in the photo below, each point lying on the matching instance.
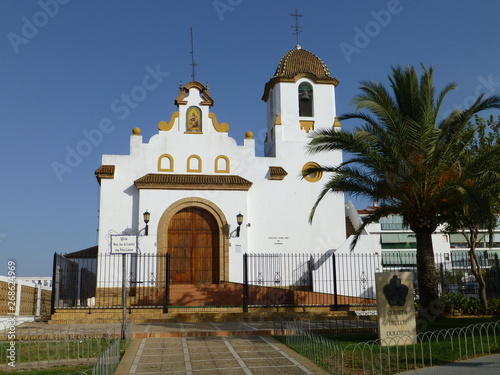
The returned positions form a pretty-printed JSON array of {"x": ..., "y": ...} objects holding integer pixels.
[{"x": 395, "y": 308}]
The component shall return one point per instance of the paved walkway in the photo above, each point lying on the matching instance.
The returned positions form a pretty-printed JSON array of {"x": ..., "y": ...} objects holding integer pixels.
[
  {"x": 227, "y": 348},
  {"x": 213, "y": 355},
  {"x": 488, "y": 365}
]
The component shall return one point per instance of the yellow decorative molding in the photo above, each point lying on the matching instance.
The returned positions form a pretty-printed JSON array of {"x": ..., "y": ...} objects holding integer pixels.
[
  {"x": 163, "y": 125},
  {"x": 136, "y": 131},
  {"x": 221, "y": 128},
  {"x": 313, "y": 176},
  {"x": 306, "y": 125},
  {"x": 336, "y": 122},
  {"x": 227, "y": 166},
  {"x": 171, "y": 160},
  {"x": 277, "y": 121},
  {"x": 184, "y": 90},
  {"x": 194, "y": 169},
  {"x": 249, "y": 135}
]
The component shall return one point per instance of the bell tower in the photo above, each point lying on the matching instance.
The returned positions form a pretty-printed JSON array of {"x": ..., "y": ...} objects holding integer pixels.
[{"x": 300, "y": 97}]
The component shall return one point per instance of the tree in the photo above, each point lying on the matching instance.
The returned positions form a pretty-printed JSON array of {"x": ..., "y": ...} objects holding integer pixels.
[
  {"x": 475, "y": 215},
  {"x": 404, "y": 157}
]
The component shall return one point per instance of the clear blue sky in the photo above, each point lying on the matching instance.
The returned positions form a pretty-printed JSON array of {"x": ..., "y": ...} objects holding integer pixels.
[{"x": 66, "y": 66}]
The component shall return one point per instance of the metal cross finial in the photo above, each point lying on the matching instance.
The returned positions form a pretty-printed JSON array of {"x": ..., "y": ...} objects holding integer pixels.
[
  {"x": 297, "y": 28},
  {"x": 193, "y": 64}
]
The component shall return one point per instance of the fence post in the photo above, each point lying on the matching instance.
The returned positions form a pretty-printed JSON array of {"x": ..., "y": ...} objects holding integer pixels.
[
  {"x": 245, "y": 283},
  {"x": 38, "y": 298},
  {"x": 497, "y": 273},
  {"x": 74, "y": 281},
  {"x": 55, "y": 286},
  {"x": 335, "y": 300},
  {"x": 310, "y": 271},
  {"x": 124, "y": 294},
  {"x": 167, "y": 282},
  {"x": 441, "y": 272}
]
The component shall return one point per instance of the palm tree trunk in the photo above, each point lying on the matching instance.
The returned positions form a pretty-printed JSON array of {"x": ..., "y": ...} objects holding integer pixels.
[{"x": 427, "y": 280}]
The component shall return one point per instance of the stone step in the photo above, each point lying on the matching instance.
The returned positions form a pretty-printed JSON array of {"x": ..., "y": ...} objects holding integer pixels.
[{"x": 186, "y": 315}]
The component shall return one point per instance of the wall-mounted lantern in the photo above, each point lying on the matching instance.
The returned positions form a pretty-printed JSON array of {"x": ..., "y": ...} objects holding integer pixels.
[
  {"x": 239, "y": 220},
  {"x": 146, "y": 220}
]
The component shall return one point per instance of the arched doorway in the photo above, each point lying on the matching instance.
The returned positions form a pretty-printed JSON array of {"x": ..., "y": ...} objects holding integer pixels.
[
  {"x": 193, "y": 245},
  {"x": 220, "y": 239}
]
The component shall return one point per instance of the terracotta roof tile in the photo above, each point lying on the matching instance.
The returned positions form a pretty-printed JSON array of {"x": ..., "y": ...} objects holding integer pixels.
[
  {"x": 105, "y": 171},
  {"x": 299, "y": 61},
  {"x": 192, "y": 182},
  {"x": 277, "y": 173}
]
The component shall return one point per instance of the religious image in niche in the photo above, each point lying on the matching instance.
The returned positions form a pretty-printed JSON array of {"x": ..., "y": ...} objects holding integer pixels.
[{"x": 395, "y": 292}]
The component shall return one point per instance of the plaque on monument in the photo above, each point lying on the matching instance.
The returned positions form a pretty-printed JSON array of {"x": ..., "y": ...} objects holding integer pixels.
[{"x": 395, "y": 308}]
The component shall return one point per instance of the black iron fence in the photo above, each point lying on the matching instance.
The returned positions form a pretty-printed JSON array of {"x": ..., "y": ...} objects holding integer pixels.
[{"x": 329, "y": 279}]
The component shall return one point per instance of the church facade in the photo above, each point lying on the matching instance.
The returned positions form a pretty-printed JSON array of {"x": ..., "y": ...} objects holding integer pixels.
[
  {"x": 195, "y": 201},
  {"x": 209, "y": 195}
]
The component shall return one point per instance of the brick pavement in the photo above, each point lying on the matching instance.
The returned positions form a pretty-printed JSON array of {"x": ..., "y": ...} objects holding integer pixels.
[{"x": 223, "y": 355}]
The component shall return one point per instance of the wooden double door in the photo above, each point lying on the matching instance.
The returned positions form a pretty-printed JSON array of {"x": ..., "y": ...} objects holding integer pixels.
[{"x": 193, "y": 245}]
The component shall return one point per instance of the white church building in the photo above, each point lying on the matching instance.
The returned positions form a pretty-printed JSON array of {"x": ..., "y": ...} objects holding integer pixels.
[
  {"x": 209, "y": 201},
  {"x": 196, "y": 182}
]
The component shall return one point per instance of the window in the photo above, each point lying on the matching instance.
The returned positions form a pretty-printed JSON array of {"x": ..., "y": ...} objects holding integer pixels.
[
  {"x": 305, "y": 100},
  {"x": 313, "y": 176}
]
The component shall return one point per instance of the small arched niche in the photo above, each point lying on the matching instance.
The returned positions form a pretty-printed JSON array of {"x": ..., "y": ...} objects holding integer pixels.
[
  {"x": 222, "y": 164},
  {"x": 165, "y": 163},
  {"x": 194, "y": 163}
]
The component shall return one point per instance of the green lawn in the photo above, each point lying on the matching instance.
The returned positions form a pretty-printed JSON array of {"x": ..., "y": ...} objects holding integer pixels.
[
  {"x": 52, "y": 371},
  {"x": 47, "y": 350},
  {"x": 358, "y": 352},
  {"x": 448, "y": 323}
]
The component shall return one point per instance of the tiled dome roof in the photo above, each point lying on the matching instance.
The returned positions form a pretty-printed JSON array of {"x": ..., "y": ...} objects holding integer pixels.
[{"x": 299, "y": 61}]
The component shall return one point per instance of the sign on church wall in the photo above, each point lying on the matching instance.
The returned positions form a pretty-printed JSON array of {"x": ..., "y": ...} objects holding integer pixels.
[
  {"x": 395, "y": 308},
  {"x": 124, "y": 244}
]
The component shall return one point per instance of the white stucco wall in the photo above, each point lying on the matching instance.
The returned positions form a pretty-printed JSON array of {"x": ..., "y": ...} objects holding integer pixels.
[{"x": 276, "y": 212}]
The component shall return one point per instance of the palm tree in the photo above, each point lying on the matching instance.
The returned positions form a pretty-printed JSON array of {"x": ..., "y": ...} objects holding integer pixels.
[{"x": 404, "y": 157}]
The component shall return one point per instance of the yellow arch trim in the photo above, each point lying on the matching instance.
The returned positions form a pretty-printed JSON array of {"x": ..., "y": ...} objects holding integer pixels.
[
  {"x": 200, "y": 163},
  {"x": 170, "y": 158},
  {"x": 217, "y": 169}
]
